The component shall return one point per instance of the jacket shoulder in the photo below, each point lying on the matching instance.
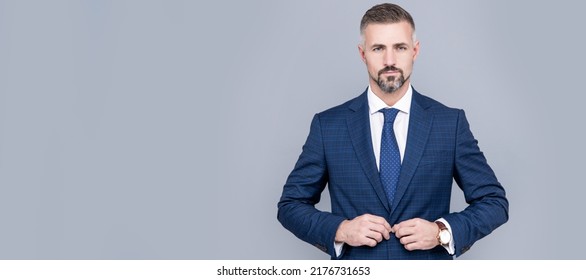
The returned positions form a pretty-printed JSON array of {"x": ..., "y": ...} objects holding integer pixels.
[
  {"x": 435, "y": 107},
  {"x": 428, "y": 102}
]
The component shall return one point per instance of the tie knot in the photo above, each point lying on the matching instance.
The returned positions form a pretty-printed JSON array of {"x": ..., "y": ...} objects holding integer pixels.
[{"x": 390, "y": 114}]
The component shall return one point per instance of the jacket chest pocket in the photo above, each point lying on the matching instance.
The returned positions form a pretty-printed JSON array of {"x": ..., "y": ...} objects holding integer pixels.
[{"x": 437, "y": 157}]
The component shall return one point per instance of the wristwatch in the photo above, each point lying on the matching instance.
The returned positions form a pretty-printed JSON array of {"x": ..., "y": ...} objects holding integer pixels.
[{"x": 443, "y": 236}]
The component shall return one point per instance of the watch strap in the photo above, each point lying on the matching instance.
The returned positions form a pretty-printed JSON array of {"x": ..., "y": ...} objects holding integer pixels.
[{"x": 441, "y": 227}]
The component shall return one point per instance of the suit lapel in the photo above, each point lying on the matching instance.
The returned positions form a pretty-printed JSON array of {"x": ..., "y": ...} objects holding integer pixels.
[
  {"x": 420, "y": 121},
  {"x": 359, "y": 129}
]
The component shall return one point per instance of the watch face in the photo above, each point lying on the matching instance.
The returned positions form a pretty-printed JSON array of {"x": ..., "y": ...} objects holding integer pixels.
[{"x": 445, "y": 237}]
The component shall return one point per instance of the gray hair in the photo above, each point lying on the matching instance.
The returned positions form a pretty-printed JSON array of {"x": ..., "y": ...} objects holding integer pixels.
[{"x": 386, "y": 13}]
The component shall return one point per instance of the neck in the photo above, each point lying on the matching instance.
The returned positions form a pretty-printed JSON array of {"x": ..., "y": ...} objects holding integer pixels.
[{"x": 389, "y": 98}]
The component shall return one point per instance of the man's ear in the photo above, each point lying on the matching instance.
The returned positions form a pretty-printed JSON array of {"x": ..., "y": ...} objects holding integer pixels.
[
  {"x": 416, "y": 50},
  {"x": 361, "y": 51}
]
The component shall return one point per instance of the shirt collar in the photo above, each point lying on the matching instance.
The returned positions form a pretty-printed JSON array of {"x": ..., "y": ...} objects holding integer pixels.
[{"x": 403, "y": 105}]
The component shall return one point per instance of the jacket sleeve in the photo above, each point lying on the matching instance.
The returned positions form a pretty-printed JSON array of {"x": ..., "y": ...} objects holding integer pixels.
[
  {"x": 488, "y": 206},
  {"x": 296, "y": 208}
]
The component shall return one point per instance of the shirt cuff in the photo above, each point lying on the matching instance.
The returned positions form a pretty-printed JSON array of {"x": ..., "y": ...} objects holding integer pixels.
[
  {"x": 451, "y": 246},
  {"x": 338, "y": 247}
]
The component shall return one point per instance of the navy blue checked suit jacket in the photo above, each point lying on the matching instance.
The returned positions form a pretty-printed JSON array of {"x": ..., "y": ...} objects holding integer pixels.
[{"x": 440, "y": 148}]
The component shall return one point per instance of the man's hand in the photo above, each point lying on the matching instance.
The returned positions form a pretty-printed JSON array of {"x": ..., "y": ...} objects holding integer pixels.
[
  {"x": 366, "y": 230},
  {"x": 417, "y": 234}
]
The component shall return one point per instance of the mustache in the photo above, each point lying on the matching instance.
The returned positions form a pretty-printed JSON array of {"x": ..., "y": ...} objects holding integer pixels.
[{"x": 390, "y": 68}]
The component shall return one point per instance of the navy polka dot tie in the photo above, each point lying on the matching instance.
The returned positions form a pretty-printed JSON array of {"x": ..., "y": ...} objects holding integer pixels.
[{"x": 390, "y": 158}]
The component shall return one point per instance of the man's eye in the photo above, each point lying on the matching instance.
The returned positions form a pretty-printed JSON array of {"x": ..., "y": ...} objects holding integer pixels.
[
  {"x": 378, "y": 49},
  {"x": 402, "y": 48}
]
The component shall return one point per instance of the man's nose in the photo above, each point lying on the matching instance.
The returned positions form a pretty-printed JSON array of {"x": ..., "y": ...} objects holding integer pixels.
[{"x": 389, "y": 58}]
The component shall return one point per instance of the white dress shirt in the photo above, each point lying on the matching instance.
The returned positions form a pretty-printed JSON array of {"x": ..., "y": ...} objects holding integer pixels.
[
  {"x": 377, "y": 120},
  {"x": 401, "y": 128}
]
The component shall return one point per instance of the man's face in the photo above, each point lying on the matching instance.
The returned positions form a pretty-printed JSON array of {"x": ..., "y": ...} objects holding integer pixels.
[{"x": 389, "y": 53}]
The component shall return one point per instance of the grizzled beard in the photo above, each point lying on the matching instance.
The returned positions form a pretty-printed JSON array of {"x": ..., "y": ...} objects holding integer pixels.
[{"x": 391, "y": 84}]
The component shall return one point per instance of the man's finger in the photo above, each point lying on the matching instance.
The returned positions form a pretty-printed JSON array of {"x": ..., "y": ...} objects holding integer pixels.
[
  {"x": 381, "y": 229},
  {"x": 369, "y": 241},
  {"x": 377, "y": 236},
  {"x": 409, "y": 223},
  {"x": 404, "y": 231},
  {"x": 408, "y": 239},
  {"x": 413, "y": 246},
  {"x": 379, "y": 220}
]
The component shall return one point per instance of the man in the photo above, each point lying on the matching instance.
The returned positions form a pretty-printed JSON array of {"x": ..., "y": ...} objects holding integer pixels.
[{"x": 389, "y": 158}]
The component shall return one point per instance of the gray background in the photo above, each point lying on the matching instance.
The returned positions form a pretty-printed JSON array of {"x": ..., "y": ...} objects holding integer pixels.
[{"x": 166, "y": 129}]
